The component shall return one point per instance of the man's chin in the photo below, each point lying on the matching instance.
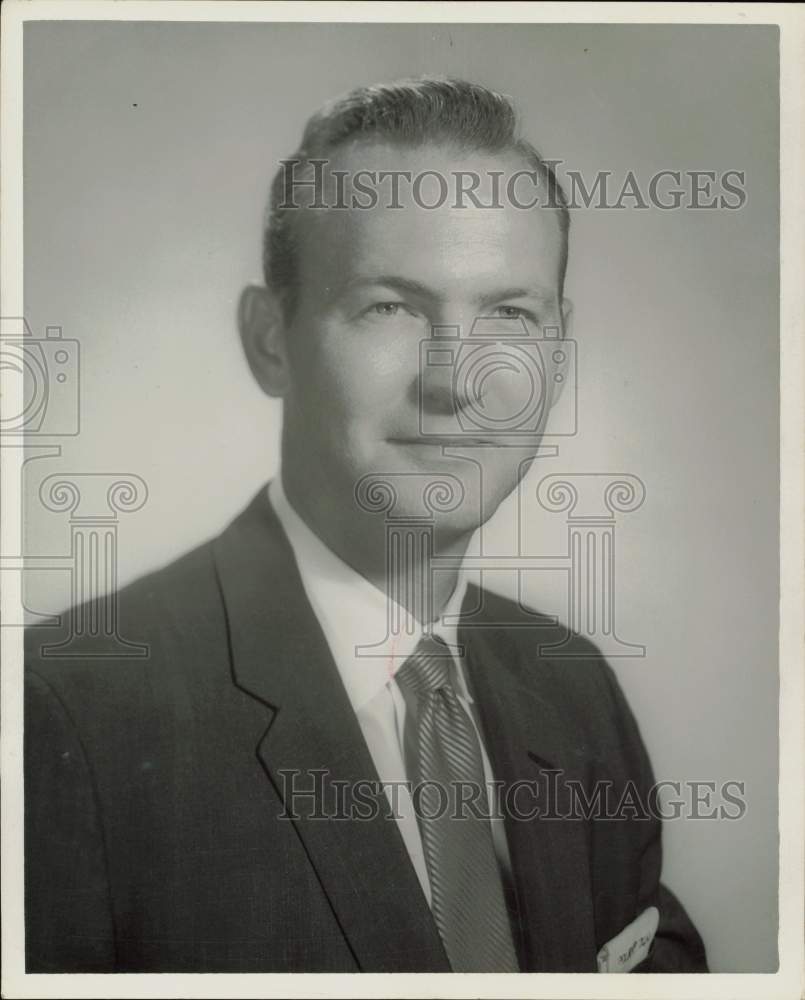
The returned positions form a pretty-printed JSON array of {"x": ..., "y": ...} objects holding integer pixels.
[
  {"x": 412, "y": 481},
  {"x": 448, "y": 501}
]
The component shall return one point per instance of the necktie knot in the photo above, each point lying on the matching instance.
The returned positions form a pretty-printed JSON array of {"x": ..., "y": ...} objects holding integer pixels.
[{"x": 427, "y": 669}]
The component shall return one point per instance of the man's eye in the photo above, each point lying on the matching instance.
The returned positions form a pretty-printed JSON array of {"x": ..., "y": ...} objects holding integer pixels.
[
  {"x": 386, "y": 308},
  {"x": 511, "y": 312}
]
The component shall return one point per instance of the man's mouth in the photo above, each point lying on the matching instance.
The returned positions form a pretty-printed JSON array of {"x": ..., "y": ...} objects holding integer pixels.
[{"x": 446, "y": 441}]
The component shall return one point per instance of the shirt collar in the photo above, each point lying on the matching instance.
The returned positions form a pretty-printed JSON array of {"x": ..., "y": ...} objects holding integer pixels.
[{"x": 353, "y": 613}]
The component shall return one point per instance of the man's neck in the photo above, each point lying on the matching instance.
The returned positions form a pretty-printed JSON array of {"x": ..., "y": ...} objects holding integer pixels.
[{"x": 398, "y": 569}]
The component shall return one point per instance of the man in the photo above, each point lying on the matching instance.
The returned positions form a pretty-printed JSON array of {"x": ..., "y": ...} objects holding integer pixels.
[{"x": 317, "y": 767}]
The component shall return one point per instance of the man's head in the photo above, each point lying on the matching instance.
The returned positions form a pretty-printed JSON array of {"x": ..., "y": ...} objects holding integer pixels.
[{"x": 409, "y": 208}]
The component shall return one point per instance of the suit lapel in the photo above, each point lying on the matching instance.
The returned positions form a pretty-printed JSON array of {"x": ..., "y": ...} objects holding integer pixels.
[
  {"x": 313, "y": 739},
  {"x": 526, "y": 741}
]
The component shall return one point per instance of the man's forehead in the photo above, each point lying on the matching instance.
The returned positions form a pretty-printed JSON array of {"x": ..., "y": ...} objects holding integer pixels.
[
  {"x": 430, "y": 187},
  {"x": 406, "y": 211},
  {"x": 428, "y": 262}
]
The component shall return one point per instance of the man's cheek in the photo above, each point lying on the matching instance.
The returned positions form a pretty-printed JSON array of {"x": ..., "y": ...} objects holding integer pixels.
[{"x": 362, "y": 390}]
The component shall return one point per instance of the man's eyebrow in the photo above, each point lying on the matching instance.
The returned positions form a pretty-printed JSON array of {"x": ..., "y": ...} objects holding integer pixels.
[
  {"x": 413, "y": 287},
  {"x": 542, "y": 295},
  {"x": 395, "y": 282}
]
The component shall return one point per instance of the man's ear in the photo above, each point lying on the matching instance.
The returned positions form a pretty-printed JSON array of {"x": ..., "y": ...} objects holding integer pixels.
[
  {"x": 563, "y": 369},
  {"x": 262, "y": 333}
]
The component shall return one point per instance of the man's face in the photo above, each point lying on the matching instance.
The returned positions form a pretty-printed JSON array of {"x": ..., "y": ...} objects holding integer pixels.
[{"x": 364, "y": 396}]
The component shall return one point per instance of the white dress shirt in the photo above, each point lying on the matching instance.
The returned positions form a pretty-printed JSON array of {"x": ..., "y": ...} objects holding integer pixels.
[{"x": 353, "y": 613}]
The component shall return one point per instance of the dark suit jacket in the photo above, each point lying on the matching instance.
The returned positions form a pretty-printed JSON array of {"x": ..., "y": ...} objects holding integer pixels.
[{"x": 154, "y": 791}]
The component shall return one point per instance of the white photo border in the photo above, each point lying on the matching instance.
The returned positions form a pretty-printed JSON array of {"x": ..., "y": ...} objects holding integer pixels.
[{"x": 788, "y": 981}]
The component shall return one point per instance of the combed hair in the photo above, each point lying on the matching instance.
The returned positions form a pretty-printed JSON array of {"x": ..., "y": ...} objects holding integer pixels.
[{"x": 408, "y": 113}]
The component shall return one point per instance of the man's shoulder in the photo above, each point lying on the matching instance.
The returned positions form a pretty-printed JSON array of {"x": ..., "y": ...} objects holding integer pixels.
[
  {"x": 181, "y": 590},
  {"x": 543, "y": 655},
  {"x": 535, "y": 636},
  {"x": 179, "y": 599},
  {"x": 167, "y": 630},
  {"x": 138, "y": 650}
]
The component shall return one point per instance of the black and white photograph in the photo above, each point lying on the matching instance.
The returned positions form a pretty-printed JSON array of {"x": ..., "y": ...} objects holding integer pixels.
[{"x": 402, "y": 499}]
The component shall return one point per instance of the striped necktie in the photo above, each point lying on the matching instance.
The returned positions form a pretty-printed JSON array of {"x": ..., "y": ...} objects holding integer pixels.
[{"x": 468, "y": 902}]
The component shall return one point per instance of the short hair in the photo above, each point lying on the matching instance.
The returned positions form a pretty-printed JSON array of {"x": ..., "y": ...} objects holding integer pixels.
[{"x": 408, "y": 113}]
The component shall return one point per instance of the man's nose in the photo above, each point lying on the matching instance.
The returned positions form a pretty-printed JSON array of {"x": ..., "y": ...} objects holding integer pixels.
[
  {"x": 436, "y": 389},
  {"x": 436, "y": 397}
]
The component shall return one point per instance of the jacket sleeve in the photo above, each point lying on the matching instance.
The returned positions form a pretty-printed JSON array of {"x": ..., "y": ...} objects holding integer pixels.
[
  {"x": 68, "y": 919},
  {"x": 677, "y": 945}
]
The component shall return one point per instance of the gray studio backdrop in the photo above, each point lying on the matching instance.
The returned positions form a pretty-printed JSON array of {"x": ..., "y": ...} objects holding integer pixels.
[{"x": 148, "y": 152}]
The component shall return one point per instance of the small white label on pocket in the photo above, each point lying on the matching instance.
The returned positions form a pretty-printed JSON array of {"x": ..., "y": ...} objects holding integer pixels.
[{"x": 630, "y": 947}]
